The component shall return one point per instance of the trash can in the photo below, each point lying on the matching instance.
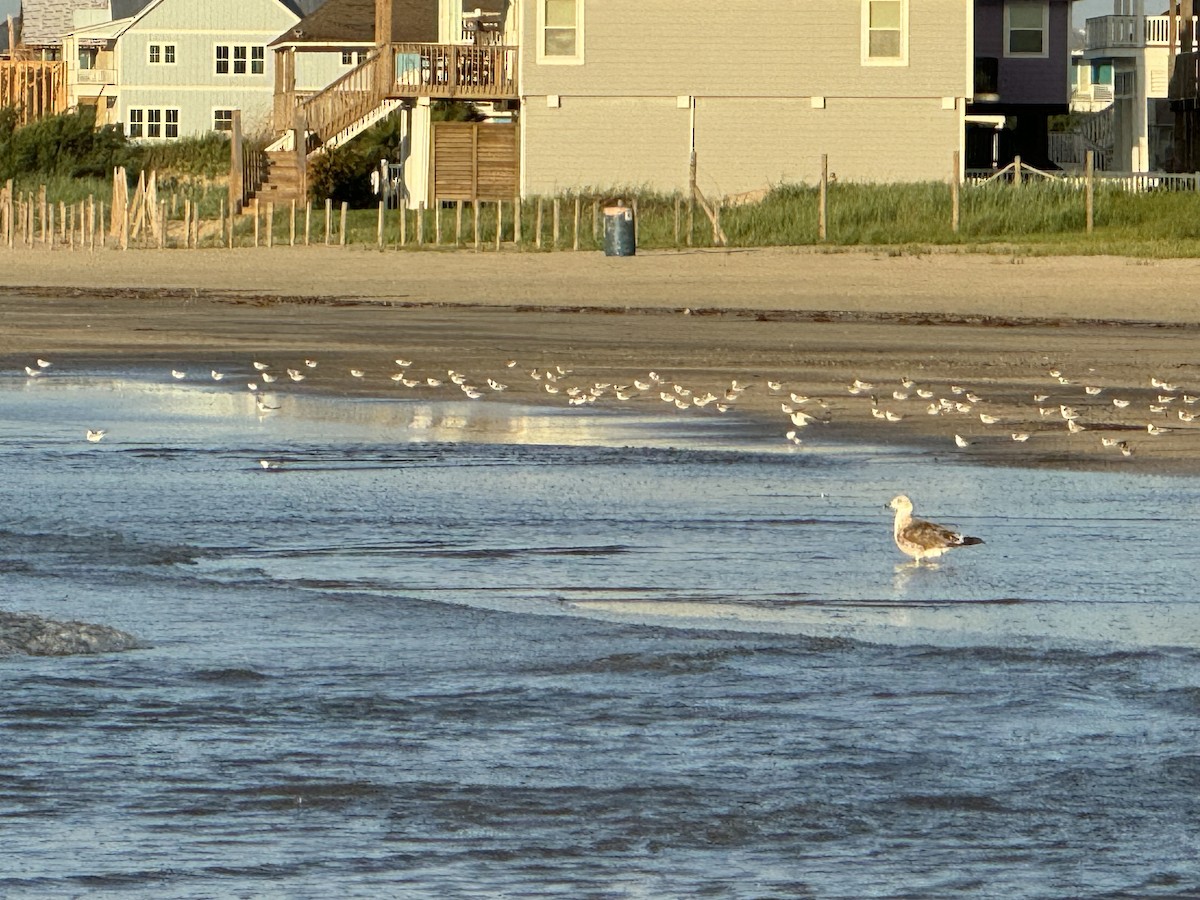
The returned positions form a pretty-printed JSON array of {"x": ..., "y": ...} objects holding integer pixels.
[{"x": 620, "y": 234}]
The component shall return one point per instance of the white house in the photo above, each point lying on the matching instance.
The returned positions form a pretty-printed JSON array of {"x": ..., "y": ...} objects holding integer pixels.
[
  {"x": 1136, "y": 49},
  {"x": 179, "y": 68}
]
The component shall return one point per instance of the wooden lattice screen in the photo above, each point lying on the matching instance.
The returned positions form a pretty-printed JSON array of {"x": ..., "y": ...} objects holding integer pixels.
[{"x": 475, "y": 161}]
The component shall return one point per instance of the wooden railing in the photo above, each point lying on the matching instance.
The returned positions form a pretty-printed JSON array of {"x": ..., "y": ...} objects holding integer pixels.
[
  {"x": 35, "y": 88},
  {"x": 348, "y": 99},
  {"x": 455, "y": 71}
]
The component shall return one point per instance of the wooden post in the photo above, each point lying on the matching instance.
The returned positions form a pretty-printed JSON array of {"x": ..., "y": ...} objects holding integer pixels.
[
  {"x": 420, "y": 223},
  {"x": 256, "y": 204},
  {"x": 596, "y": 220},
  {"x": 125, "y": 227},
  {"x": 691, "y": 210},
  {"x": 292, "y": 225},
  {"x": 458, "y": 211},
  {"x": 103, "y": 231},
  {"x": 475, "y": 233},
  {"x": 342, "y": 226},
  {"x": 403, "y": 222},
  {"x": 220, "y": 222},
  {"x": 554, "y": 232},
  {"x": 437, "y": 222},
  {"x": 10, "y": 205},
  {"x": 51, "y": 226},
  {"x": 499, "y": 223},
  {"x": 823, "y": 200},
  {"x": 636, "y": 222},
  {"x": 1089, "y": 164},
  {"x": 718, "y": 234},
  {"x": 955, "y": 163},
  {"x": 72, "y": 228},
  {"x": 379, "y": 225},
  {"x": 237, "y": 175},
  {"x": 270, "y": 224},
  {"x": 537, "y": 235},
  {"x": 575, "y": 235},
  {"x": 42, "y": 209},
  {"x": 517, "y": 220},
  {"x": 1017, "y": 171},
  {"x": 92, "y": 221},
  {"x": 328, "y": 219},
  {"x": 307, "y": 221},
  {"x": 678, "y": 212},
  {"x": 229, "y": 233}
]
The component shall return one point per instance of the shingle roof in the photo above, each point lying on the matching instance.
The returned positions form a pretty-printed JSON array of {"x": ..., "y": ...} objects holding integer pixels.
[
  {"x": 44, "y": 22},
  {"x": 353, "y": 22}
]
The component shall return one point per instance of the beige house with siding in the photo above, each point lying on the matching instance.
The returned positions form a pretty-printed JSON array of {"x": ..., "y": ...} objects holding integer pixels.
[{"x": 618, "y": 93}]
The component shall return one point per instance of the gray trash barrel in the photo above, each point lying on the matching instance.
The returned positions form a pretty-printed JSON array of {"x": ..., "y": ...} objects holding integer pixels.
[{"x": 620, "y": 237}]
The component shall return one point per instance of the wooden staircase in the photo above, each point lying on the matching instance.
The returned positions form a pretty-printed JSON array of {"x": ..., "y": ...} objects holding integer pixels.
[{"x": 282, "y": 181}]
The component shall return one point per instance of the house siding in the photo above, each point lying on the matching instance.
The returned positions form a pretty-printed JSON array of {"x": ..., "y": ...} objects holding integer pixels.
[
  {"x": 191, "y": 85},
  {"x": 1021, "y": 79},
  {"x": 753, "y": 69}
]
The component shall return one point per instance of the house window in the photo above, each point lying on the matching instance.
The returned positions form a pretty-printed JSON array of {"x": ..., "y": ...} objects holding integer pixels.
[
  {"x": 239, "y": 59},
  {"x": 154, "y": 123},
  {"x": 136, "y": 123},
  {"x": 169, "y": 54},
  {"x": 87, "y": 57},
  {"x": 353, "y": 57},
  {"x": 222, "y": 120},
  {"x": 161, "y": 54},
  {"x": 1026, "y": 26},
  {"x": 171, "y": 129},
  {"x": 560, "y": 26},
  {"x": 885, "y": 32},
  {"x": 155, "y": 54}
]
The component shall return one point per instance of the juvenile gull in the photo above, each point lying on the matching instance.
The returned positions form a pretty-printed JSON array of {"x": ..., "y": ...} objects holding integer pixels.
[{"x": 920, "y": 539}]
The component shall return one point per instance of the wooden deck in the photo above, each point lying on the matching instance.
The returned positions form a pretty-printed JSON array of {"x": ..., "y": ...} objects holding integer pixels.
[{"x": 395, "y": 71}]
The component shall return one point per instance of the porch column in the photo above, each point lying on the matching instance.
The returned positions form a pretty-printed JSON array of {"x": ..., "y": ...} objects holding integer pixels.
[{"x": 383, "y": 22}]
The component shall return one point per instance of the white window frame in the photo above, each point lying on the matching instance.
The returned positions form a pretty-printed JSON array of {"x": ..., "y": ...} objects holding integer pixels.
[
  {"x": 865, "y": 40},
  {"x": 217, "y": 122},
  {"x": 170, "y": 124},
  {"x": 351, "y": 58},
  {"x": 138, "y": 114},
  {"x": 1045, "y": 9},
  {"x": 165, "y": 120},
  {"x": 165, "y": 53},
  {"x": 240, "y": 59},
  {"x": 575, "y": 59}
]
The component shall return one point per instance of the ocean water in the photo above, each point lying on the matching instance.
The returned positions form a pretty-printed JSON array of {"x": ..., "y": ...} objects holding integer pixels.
[{"x": 472, "y": 649}]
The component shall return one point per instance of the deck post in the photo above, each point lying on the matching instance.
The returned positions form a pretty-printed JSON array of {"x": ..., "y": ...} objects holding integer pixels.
[
  {"x": 328, "y": 219},
  {"x": 458, "y": 211},
  {"x": 517, "y": 220},
  {"x": 1016, "y": 171},
  {"x": 342, "y": 228},
  {"x": 237, "y": 173}
]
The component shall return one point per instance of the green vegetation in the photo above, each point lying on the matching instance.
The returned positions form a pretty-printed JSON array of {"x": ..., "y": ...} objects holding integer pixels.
[{"x": 74, "y": 161}]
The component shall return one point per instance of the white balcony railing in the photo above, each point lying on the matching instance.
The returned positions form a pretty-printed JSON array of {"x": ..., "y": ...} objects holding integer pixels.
[
  {"x": 96, "y": 76},
  {"x": 1122, "y": 32}
]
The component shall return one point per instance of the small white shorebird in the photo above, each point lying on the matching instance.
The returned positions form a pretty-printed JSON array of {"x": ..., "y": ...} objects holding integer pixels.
[
  {"x": 96, "y": 435},
  {"x": 920, "y": 539}
]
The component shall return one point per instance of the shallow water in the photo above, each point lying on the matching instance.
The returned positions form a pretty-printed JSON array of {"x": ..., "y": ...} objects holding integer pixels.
[{"x": 473, "y": 649}]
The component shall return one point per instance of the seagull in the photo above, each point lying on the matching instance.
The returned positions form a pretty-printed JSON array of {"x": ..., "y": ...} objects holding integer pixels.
[
  {"x": 263, "y": 405},
  {"x": 261, "y": 366},
  {"x": 1154, "y": 429},
  {"x": 44, "y": 363},
  {"x": 177, "y": 375},
  {"x": 1020, "y": 436},
  {"x": 32, "y": 372},
  {"x": 1119, "y": 403},
  {"x": 1125, "y": 449},
  {"x": 269, "y": 465},
  {"x": 1074, "y": 427},
  {"x": 1108, "y": 442},
  {"x": 1040, "y": 398},
  {"x": 269, "y": 378},
  {"x": 311, "y": 363},
  {"x": 1092, "y": 390},
  {"x": 357, "y": 373},
  {"x": 96, "y": 436},
  {"x": 404, "y": 363},
  {"x": 791, "y": 436},
  {"x": 920, "y": 539},
  {"x": 216, "y": 376},
  {"x": 988, "y": 420},
  {"x": 510, "y": 363},
  {"x": 433, "y": 382},
  {"x": 296, "y": 376},
  {"x": 961, "y": 441}
]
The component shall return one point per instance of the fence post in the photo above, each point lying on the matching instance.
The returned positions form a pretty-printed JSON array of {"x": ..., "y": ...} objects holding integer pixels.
[
  {"x": 1088, "y": 187},
  {"x": 575, "y": 225},
  {"x": 270, "y": 224},
  {"x": 379, "y": 225},
  {"x": 691, "y": 210},
  {"x": 437, "y": 222},
  {"x": 499, "y": 223},
  {"x": 403, "y": 222},
  {"x": 342, "y": 228},
  {"x": 537, "y": 235},
  {"x": 823, "y": 200},
  {"x": 307, "y": 220},
  {"x": 555, "y": 229},
  {"x": 292, "y": 225},
  {"x": 955, "y": 159},
  {"x": 475, "y": 210},
  {"x": 328, "y": 220},
  {"x": 420, "y": 223},
  {"x": 1016, "y": 171},
  {"x": 517, "y": 220}
]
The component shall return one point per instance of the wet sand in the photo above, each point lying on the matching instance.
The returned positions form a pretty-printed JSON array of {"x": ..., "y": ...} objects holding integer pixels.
[{"x": 993, "y": 325}]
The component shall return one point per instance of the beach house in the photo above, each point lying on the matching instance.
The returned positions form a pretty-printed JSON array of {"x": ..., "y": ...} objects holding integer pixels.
[{"x": 173, "y": 68}]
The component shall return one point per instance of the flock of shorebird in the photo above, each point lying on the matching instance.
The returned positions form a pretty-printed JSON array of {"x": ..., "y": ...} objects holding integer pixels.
[{"x": 1064, "y": 405}]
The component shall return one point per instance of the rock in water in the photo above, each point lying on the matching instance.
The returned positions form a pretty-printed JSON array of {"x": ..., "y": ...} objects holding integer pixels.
[{"x": 35, "y": 636}]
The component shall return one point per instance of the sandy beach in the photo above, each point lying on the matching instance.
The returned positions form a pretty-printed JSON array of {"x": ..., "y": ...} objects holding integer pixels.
[{"x": 992, "y": 325}]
